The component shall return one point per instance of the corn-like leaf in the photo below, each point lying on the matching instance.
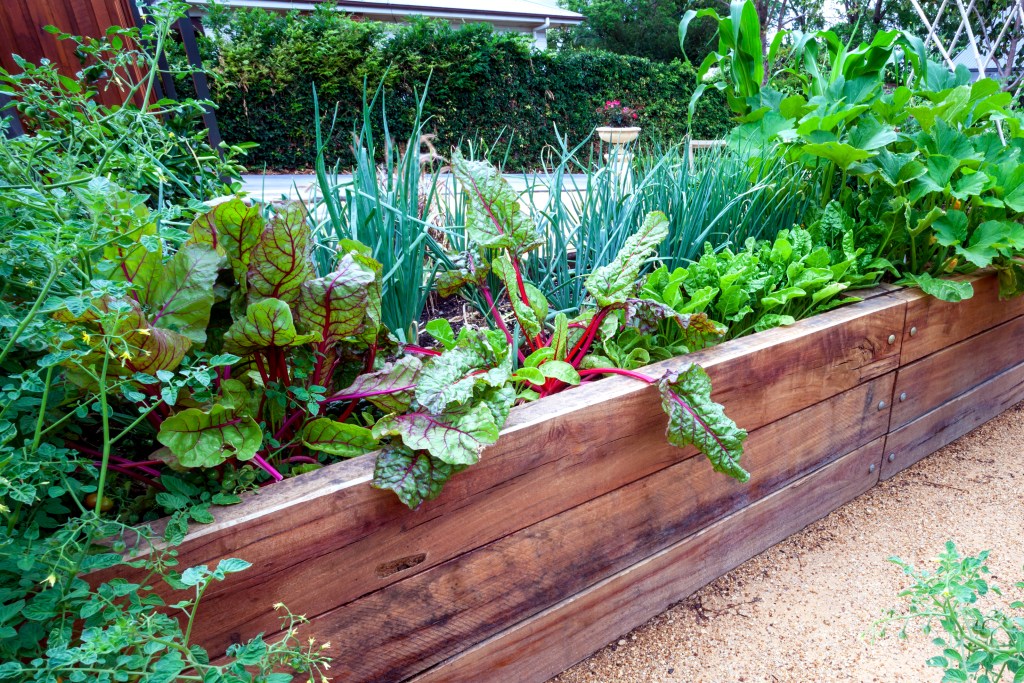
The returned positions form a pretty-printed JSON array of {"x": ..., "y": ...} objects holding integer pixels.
[{"x": 696, "y": 420}]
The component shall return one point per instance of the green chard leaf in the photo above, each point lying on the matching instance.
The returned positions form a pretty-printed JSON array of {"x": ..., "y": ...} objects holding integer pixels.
[
  {"x": 530, "y": 313},
  {"x": 282, "y": 260},
  {"x": 456, "y": 436},
  {"x": 480, "y": 359},
  {"x": 338, "y": 438},
  {"x": 200, "y": 438},
  {"x": 336, "y": 306},
  {"x": 414, "y": 477},
  {"x": 615, "y": 282},
  {"x": 467, "y": 269},
  {"x": 494, "y": 216},
  {"x": 696, "y": 420},
  {"x": 267, "y": 323},
  {"x": 379, "y": 387},
  {"x": 946, "y": 290},
  {"x": 184, "y": 296}
]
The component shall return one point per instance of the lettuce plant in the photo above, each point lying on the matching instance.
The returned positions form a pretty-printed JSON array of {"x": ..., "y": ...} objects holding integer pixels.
[{"x": 553, "y": 351}]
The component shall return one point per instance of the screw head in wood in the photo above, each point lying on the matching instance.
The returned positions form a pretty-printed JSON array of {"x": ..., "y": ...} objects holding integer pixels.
[
  {"x": 913, "y": 331},
  {"x": 881, "y": 405},
  {"x": 903, "y": 397},
  {"x": 892, "y": 456},
  {"x": 892, "y": 338},
  {"x": 871, "y": 467}
]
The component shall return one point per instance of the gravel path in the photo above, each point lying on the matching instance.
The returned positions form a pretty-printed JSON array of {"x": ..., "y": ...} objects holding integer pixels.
[{"x": 799, "y": 611}]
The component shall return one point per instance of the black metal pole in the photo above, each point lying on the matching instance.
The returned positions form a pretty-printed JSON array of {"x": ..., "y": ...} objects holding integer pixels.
[
  {"x": 188, "y": 37},
  {"x": 7, "y": 110}
]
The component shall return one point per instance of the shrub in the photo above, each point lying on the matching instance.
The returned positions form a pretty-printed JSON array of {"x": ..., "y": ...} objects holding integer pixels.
[{"x": 483, "y": 85}]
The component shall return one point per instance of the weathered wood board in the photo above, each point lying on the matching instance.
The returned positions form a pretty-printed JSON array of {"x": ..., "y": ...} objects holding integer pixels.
[
  {"x": 555, "y": 639},
  {"x": 483, "y": 591},
  {"x": 933, "y": 325},
  {"x": 934, "y": 380},
  {"x": 952, "y": 419}
]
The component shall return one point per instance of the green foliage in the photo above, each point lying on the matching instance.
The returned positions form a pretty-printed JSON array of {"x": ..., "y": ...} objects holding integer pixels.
[
  {"x": 977, "y": 645},
  {"x": 484, "y": 85}
]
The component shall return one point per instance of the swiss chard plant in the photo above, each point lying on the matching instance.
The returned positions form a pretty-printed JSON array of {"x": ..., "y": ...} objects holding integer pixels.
[{"x": 551, "y": 351}]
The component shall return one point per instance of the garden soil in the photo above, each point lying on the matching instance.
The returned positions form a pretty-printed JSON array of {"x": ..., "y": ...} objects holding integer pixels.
[{"x": 804, "y": 610}]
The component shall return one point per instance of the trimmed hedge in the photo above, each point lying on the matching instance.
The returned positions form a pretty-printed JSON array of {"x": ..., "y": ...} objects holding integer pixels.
[{"x": 483, "y": 86}]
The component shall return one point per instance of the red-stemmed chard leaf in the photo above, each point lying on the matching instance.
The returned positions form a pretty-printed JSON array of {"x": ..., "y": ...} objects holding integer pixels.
[
  {"x": 336, "y": 305},
  {"x": 415, "y": 477},
  {"x": 530, "y": 313},
  {"x": 232, "y": 228},
  {"x": 455, "y": 437},
  {"x": 616, "y": 282},
  {"x": 480, "y": 359},
  {"x": 390, "y": 388},
  {"x": 494, "y": 216},
  {"x": 696, "y": 420},
  {"x": 184, "y": 297},
  {"x": 282, "y": 260},
  {"x": 267, "y": 323},
  {"x": 199, "y": 438},
  {"x": 338, "y": 438},
  {"x": 467, "y": 268}
]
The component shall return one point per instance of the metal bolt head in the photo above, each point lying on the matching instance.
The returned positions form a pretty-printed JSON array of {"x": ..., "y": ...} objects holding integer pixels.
[
  {"x": 871, "y": 467},
  {"x": 892, "y": 338},
  {"x": 903, "y": 397},
  {"x": 892, "y": 456},
  {"x": 913, "y": 331},
  {"x": 881, "y": 405}
]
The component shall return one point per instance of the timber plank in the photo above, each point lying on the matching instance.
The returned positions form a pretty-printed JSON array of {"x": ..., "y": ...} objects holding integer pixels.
[
  {"x": 952, "y": 419},
  {"x": 937, "y": 324},
  {"x": 555, "y": 639},
  {"x": 436, "y": 613},
  {"x": 351, "y": 571},
  {"x": 930, "y": 382},
  {"x": 807, "y": 362}
]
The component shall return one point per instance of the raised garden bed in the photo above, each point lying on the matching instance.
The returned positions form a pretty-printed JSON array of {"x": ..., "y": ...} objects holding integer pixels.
[{"x": 582, "y": 522}]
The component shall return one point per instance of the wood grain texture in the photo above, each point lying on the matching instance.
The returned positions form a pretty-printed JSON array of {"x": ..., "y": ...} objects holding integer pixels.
[
  {"x": 399, "y": 630},
  {"x": 938, "y": 324},
  {"x": 953, "y": 419},
  {"x": 555, "y": 639},
  {"x": 805, "y": 363},
  {"x": 930, "y": 382}
]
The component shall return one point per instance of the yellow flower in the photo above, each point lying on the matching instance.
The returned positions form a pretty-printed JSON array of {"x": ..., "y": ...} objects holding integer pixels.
[
  {"x": 87, "y": 338},
  {"x": 125, "y": 357},
  {"x": 278, "y": 605},
  {"x": 143, "y": 330},
  {"x": 51, "y": 579}
]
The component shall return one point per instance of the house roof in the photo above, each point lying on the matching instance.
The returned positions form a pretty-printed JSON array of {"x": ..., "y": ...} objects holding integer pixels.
[
  {"x": 492, "y": 11},
  {"x": 967, "y": 59}
]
